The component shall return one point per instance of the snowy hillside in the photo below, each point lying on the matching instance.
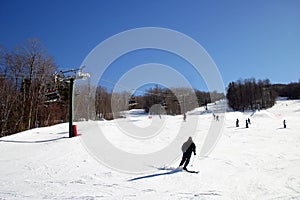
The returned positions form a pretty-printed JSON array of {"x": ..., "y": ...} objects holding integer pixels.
[{"x": 261, "y": 162}]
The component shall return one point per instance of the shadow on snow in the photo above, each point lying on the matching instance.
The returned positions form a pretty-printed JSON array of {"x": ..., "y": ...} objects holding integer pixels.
[
  {"x": 155, "y": 175},
  {"x": 38, "y": 141}
]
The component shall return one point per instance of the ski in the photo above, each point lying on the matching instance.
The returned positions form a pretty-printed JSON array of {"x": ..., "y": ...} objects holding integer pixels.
[
  {"x": 191, "y": 171},
  {"x": 176, "y": 169}
]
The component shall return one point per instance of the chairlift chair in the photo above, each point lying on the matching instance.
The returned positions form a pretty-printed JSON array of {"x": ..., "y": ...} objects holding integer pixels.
[{"x": 132, "y": 102}]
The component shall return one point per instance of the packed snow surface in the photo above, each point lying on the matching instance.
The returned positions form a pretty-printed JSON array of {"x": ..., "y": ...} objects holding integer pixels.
[{"x": 261, "y": 162}]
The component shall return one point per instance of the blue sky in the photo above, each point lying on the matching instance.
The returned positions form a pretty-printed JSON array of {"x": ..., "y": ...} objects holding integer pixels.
[{"x": 255, "y": 38}]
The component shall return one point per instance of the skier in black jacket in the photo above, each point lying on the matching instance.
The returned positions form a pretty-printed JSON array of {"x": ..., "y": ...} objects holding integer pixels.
[{"x": 187, "y": 148}]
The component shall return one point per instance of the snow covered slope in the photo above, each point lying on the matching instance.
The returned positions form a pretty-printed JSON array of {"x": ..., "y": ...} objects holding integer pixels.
[{"x": 261, "y": 162}]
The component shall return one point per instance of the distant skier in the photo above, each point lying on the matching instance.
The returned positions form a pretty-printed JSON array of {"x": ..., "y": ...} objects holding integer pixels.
[
  {"x": 217, "y": 117},
  {"x": 284, "y": 124},
  {"x": 247, "y": 126},
  {"x": 249, "y": 122},
  {"x": 214, "y": 116},
  {"x": 187, "y": 148},
  {"x": 184, "y": 116},
  {"x": 237, "y": 123}
]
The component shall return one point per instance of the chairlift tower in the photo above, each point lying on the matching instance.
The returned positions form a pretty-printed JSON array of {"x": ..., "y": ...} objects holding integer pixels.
[{"x": 69, "y": 76}]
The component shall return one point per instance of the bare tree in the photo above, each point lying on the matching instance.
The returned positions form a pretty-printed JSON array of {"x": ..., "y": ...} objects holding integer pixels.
[{"x": 25, "y": 72}]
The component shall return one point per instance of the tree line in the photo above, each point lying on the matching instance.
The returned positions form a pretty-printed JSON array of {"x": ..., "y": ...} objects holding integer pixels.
[
  {"x": 155, "y": 100},
  {"x": 25, "y": 76},
  {"x": 291, "y": 90},
  {"x": 249, "y": 94}
]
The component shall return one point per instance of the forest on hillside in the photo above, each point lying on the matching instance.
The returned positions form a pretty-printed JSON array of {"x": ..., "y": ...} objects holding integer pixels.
[
  {"x": 155, "y": 100},
  {"x": 249, "y": 94},
  {"x": 26, "y": 73}
]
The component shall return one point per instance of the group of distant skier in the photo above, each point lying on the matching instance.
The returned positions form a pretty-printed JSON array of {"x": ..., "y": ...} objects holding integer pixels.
[
  {"x": 248, "y": 122},
  {"x": 216, "y": 117}
]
